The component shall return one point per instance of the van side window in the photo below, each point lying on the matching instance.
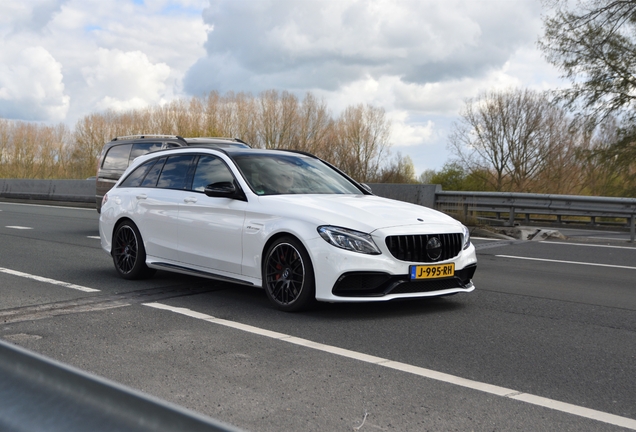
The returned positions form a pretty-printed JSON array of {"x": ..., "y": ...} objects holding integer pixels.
[
  {"x": 210, "y": 170},
  {"x": 135, "y": 178},
  {"x": 117, "y": 157},
  {"x": 140, "y": 149},
  {"x": 175, "y": 172}
]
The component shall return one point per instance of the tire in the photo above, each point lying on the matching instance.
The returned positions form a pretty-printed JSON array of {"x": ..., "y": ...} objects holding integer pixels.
[
  {"x": 288, "y": 275},
  {"x": 129, "y": 254}
]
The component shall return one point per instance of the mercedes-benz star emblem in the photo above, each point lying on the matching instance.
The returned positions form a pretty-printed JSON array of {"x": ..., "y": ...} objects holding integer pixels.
[{"x": 434, "y": 248}]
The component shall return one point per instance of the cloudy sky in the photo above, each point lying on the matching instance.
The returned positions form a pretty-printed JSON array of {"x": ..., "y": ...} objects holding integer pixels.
[{"x": 418, "y": 59}]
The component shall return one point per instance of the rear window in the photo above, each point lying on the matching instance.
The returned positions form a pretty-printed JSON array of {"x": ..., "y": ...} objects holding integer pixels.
[
  {"x": 141, "y": 149},
  {"x": 120, "y": 156},
  {"x": 117, "y": 157}
]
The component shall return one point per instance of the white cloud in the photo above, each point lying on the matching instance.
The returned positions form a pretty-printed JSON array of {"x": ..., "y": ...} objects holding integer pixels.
[
  {"x": 417, "y": 59},
  {"x": 31, "y": 86},
  {"x": 118, "y": 54},
  {"x": 446, "y": 97},
  {"x": 327, "y": 44},
  {"x": 405, "y": 132},
  {"x": 125, "y": 80}
]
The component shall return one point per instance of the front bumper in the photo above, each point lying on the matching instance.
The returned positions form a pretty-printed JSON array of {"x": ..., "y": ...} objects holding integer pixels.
[
  {"x": 378, "y": 284},
  {"x": 344, "y": 276}
]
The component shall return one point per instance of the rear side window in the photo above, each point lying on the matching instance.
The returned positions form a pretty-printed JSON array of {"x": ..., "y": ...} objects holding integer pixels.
[
  {"x": 175, "y": 172},
  {"x": 135, "y": 178},
  {"x": 141, "y": 149},
  {"x": 151, "y": 178},
  {"x": 117, "y": 157}
]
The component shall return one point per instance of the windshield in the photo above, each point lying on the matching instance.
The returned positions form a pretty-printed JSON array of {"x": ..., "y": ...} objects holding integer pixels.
[{"x": 274, "y": 174}]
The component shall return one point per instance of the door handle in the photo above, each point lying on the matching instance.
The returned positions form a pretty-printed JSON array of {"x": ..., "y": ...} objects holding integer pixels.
[
  {"x": 190, "y": 200},
  {"x": 142, "y": 196}
]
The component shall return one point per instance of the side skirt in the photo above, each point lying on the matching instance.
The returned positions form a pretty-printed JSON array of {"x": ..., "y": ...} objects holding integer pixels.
[{"x": 195, "y": 272}]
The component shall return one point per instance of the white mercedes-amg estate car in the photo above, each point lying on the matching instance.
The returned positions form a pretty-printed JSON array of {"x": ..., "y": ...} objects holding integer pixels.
[{"x": 285, "y": 221}]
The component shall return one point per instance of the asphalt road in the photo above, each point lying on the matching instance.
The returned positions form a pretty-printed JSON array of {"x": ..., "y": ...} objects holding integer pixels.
[{"x": 551, "y": 323}]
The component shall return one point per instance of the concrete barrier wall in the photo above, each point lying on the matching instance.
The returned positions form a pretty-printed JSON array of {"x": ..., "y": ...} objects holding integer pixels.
[
  {"x": 83, "y": 191},
  {"x": 421, "y": 194},
  {"x": 73, "y": 191}
]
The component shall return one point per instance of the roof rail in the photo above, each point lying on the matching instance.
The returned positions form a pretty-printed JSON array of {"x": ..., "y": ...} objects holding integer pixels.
[
  {"x": 214, "y": 137},
  {"x": 222, "y": 138},
  {"x": 243, "y": 142},
  {"x": 143, "y": 136}
]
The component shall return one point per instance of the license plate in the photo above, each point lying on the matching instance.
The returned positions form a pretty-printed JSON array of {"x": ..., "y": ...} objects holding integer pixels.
[{"x": 433, "y": 271}]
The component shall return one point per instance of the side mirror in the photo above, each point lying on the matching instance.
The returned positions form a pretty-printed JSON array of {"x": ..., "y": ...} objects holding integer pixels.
[
  {"x": 221, "y": 190},
  {"x": 366, "y": 187}
]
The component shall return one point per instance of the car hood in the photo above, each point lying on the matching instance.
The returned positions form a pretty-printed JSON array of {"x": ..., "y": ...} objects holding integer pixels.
[{"x": 365, "y": 213}]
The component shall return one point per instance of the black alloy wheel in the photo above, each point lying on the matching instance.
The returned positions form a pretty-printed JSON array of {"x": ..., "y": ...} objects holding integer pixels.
[
  {"x": 288, "y": 276},
  {"x": 129, "y": 254}
]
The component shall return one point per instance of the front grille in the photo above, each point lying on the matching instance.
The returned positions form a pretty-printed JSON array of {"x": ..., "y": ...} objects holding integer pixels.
[{"x": 412, "y": 248}]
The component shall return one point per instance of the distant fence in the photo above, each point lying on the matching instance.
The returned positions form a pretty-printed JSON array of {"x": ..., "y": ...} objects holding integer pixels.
[{"x": 504, "y": 207}]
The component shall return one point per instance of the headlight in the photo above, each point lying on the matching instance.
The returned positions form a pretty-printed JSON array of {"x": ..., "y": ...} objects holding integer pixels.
[
  {"x": 466, "y": 237},
  {"x": 351, "y": 240}
]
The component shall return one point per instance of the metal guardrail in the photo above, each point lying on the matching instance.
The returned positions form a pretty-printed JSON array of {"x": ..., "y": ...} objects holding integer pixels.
[
  {"x": 475, "y": 203},
  {"x": 40, "y": 394},
  {"x": 513, "y": 204}
]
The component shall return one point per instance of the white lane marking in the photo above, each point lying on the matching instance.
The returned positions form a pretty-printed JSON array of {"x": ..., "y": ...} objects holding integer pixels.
[
  {"x": 94, "y": 237},
  {"x": 589, "y": 245},
  {"x": 566, "y": 262},
  {"x": 485, "y": 238},
  {"x": 416, "y": 370},
  {"x": 18, "y": 227},
  {"x": 47, "y": 280}
]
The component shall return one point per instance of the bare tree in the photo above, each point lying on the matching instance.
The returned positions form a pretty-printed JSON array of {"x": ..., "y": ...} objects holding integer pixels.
[
  {"x": 277, "y": 119},
  {"x": 399, "y": 170},
  {"x": 362, "y": 141},
  {"x": 53, "y": 151},
  {"x": 91, "y": 132},
  {"x": 314, "y": 124},
  {"x": 5, "y": 126},
  {"x": 32, "y": 150},
  {"x": 244, "y": 123},
  {"x": 357, "y": 141},
  {"x": 513, "y": 134},
  {"x": 212, "y": 115}
]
